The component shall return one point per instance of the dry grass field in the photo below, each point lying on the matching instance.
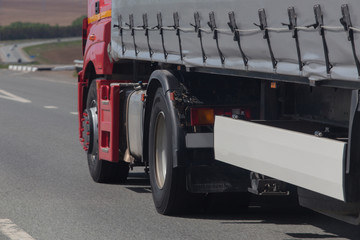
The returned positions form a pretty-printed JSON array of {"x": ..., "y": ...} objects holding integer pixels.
[
  {"x": 61, "y": 12},
  {"x": 56, "y": 53}
]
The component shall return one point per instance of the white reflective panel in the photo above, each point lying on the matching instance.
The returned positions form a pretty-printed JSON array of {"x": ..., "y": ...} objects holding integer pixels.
[{"x": 300, "y": 159}]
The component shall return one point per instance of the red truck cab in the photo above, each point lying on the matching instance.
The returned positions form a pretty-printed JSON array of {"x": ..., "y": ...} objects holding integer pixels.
[{"x": 96, "y": 38}]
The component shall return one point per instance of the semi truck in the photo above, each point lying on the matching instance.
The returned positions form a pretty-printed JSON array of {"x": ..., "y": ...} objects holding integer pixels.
[{"x": 235, "y": 96}]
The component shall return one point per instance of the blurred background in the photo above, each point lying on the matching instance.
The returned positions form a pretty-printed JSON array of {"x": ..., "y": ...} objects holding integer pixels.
[{"x": 41, "y": 32}]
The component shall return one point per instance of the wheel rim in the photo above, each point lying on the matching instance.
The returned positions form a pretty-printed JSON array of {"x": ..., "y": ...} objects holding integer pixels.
[
  {"x": 160, "y": 150},
  {"x": 91, "y": 127}
]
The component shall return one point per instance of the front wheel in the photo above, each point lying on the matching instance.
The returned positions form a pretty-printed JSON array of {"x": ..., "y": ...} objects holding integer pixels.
[
  {"x": 167, "y": 183},
  {"x": 101, "y": 171}
]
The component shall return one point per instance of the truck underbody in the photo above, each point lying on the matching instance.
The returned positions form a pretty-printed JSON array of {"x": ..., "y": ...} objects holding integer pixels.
[{"x": 227, "y": 108}]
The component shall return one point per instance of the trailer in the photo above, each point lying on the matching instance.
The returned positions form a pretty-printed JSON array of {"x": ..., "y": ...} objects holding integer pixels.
[{"x": 212, "y": 97}]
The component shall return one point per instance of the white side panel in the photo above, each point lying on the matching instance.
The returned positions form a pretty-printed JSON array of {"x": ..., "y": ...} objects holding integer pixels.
[{"x": 300, "y": 159}]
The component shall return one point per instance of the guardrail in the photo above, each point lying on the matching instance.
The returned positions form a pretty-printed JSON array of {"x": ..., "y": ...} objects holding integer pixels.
[{"x": 78, "y": 65}]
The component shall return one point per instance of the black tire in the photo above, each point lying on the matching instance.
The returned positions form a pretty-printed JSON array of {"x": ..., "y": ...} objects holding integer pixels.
[
  {"x": 168, "y": 190},
  {"x": 101, "y": 171}
]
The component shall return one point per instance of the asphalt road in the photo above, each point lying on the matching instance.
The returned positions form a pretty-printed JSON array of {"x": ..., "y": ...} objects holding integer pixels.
[{"x": 47, "y": 193}]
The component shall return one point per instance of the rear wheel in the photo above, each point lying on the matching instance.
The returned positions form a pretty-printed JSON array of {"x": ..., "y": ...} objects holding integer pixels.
[
  {"x": 167, "y": 183},
  {"x": 101, "y": 171}
]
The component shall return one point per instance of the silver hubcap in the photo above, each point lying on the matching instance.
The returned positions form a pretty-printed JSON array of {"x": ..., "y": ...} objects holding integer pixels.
[
  {"x": 94, "y": 133},
  {"x": 160, "y": 150},
  {"x": 91, "y": 130}
]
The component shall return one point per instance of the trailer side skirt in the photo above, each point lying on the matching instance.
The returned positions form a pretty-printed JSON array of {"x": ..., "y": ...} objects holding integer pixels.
[{"x": 303, "y": 160}]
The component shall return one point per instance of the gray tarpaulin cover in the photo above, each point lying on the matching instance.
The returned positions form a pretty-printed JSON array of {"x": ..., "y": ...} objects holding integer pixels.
[{"x": 286, "y": 37}]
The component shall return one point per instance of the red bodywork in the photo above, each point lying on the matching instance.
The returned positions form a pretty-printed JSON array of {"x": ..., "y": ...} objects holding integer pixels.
[
  {"x": 96, "y": 37},
  {"x": 108, "y": 108}
]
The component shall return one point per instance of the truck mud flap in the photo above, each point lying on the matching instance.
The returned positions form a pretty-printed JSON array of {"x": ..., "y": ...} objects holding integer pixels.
[
  {"x": 310, "y": 162},
  {"x": 108, "y": 105}
]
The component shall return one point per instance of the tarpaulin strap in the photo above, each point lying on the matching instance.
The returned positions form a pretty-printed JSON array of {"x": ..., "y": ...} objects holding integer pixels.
[
  {"x": 293, "y": 27},
  {"x": 177, "y": 28},
  {"x": 233, "y": 26},
  {"x": 212, "y": 25},
  {"x": 197, "y": 28},
  {"x": 119, "y": 25},
  {"x": 132, "y": 29},
  {"x": 160, "y": 27},
  {"x": 263, "y": 27},
  {"x": 319, "y": 18},
  {"x": 346, "y": 22},
  {"x": 146, "y": 28}
]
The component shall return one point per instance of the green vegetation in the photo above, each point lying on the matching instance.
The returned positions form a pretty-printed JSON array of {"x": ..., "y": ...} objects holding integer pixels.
[
  {"x": 56, "y": 53},
  {"x": 20, "y": 30},
  {"x": 3, "y": 65}
]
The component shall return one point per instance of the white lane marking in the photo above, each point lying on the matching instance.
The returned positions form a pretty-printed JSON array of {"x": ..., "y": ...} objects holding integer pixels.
[
  {"x": 74, "y": 113},
  {"x": 9, "y": 96},
  {"x": 51, "y": 107},
  {"x": 12, "y": 231}
]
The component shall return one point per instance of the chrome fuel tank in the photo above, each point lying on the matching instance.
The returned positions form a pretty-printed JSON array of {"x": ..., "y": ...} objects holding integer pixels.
[{"x": 134, "y": 120}]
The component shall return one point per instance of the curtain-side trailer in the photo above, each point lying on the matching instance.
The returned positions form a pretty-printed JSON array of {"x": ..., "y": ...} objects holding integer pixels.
[{"x": 213, "y": 96}]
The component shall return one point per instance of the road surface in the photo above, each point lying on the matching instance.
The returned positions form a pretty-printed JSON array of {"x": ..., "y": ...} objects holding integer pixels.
[{"x": 46, "y": 191}]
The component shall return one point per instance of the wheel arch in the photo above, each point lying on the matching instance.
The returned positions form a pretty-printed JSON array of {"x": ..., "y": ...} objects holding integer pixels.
[
  {"x": 89, "y": 76},
  {"x": 169, "y": 83},
  {"x": 84, "y": 80},
  {"x": 90, "y": 70}
]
